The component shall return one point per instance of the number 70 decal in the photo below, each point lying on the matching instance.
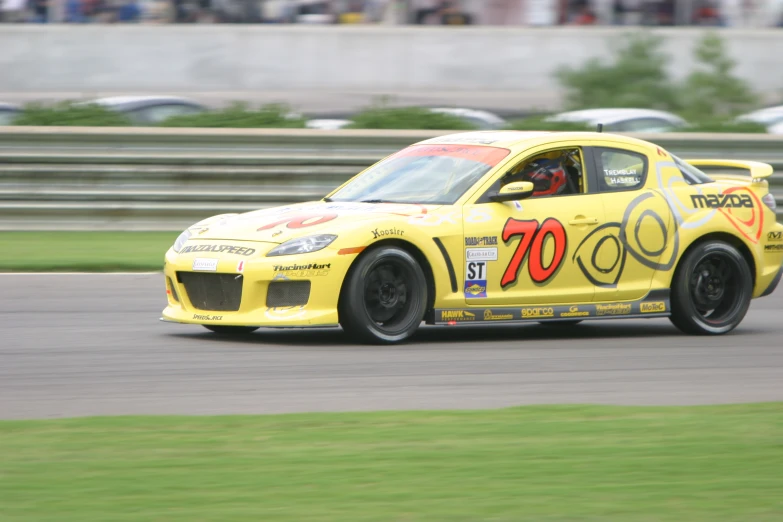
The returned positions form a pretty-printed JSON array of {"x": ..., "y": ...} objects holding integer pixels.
[{"x": 531, "y": 239}]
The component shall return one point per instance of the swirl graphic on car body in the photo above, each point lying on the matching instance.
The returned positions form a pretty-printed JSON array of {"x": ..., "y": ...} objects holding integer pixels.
[{"x": 625, "y": 240}]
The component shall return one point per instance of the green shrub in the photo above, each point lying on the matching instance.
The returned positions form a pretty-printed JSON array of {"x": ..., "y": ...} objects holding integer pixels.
[
  {"x": 717, "y": 125},
  {"x": 711, "y": 91},
  {"x": 239, "y": 115},
  {"x": 709, "y": 98},
  {"x": 69, "y": 114},
  {"x": 408, "y": 118},
  {"x": 636, "y": 78}
]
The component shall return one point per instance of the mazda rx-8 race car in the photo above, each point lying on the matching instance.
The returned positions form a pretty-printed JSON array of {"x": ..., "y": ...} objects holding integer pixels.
[{"x": 493, "y": 227}]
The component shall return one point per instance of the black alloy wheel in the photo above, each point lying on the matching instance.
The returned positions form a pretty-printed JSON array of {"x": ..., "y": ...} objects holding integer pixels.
[
  {"x": 384, "y": 297},
  {"x": 712, "y": 289}
]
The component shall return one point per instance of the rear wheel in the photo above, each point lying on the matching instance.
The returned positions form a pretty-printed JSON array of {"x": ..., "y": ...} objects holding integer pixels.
[
  {"x": 384, "y": 297},
  {"x": 231, "y": 330},
  {"x": 711, "y": 290}
]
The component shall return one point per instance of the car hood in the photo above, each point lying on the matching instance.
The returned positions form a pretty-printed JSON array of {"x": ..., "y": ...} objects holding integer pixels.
[{"x": 279, "y": 224}]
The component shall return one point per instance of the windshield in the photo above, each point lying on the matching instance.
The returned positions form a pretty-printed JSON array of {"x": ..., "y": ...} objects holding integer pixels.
[{"x": 423, "y": 174}]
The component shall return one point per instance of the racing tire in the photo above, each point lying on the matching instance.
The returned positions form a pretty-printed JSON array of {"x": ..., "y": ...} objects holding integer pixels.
[
  {"x": 384, "y": 297},
  {"x": 232, "y": 331},
  {"x": 711, "y": 290}
]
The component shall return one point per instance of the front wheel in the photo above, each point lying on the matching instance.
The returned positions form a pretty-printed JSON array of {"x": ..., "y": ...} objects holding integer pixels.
[
  {"x": 384, "y": 297},
  {"x": 230, "y": 330},
  {"x": 711, "y": 290}
]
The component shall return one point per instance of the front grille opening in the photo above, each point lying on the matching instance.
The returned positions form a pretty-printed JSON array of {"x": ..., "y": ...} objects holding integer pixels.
[
  {"x": 215, "y": 292},
  {"x": 287, "y": 293},
  {"x": 173, "y": 290}
]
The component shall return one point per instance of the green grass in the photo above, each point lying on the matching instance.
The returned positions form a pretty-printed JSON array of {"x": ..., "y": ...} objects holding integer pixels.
[
  {"x": 562, "y": 463},
  {"x": 84, "y": 251}
]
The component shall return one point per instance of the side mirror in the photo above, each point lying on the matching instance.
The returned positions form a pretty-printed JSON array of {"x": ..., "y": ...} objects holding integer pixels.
[{"x": 513, "y": 192}]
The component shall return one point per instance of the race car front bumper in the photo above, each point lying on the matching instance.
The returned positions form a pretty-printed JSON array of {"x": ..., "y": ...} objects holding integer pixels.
[{"x": 231, "y": 288}]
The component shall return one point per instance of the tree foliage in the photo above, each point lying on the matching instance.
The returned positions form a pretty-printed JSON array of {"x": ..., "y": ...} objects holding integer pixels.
[
  {"x": 710, "y": 96},
  {"x": 411, "y": 118},
  {"x": 711, "y": 91},
  {"x": 636, "y": 78},
  {"x": 239, "y": 115}
]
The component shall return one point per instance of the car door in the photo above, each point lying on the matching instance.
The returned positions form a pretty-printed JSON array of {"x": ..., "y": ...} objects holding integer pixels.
[
  {"x": 522, "y": 255},
  {"x": 623, "y": 255}
]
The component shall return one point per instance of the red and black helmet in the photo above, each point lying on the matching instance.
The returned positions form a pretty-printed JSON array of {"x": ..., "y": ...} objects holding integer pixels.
[{"x": 548, "y": 177}]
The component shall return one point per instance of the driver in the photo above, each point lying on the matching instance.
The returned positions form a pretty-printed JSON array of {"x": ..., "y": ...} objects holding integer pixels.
[{"x": 546, "y": 173}]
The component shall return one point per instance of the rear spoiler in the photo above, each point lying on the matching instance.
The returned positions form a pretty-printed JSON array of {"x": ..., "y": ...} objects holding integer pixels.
[{"x": 758, "y": 171}]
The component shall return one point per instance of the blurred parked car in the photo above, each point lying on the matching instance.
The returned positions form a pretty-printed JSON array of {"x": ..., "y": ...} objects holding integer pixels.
[
  {"x": 482, "y": 120},
  {"x": 624, "y": 120},
  {"x": 314, "y": 12},
  {"x": 8, "y": 112},
  {"x": 149, "y": 110},
  {"x": 327, "y": 123},
  {"x": 775, "y": 129},
  {"x": 771, "y": 117}
]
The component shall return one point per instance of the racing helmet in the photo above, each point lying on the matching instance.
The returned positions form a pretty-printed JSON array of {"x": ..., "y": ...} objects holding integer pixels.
[{"x": 547, "y": 175}]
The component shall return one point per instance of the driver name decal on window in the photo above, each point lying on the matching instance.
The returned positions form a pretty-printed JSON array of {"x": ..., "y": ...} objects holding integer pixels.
[{"x": 621, "y": 170}]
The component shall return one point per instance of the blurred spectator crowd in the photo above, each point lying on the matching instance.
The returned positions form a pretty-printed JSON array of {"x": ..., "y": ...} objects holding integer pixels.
[{"x": 727, "y": 13}]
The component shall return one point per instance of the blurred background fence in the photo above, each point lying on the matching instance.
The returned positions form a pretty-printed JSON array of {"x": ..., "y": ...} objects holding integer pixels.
[{"x": 82, "y": 178}]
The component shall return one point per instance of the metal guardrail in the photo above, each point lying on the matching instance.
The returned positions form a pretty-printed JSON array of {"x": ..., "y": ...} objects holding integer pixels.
[{"x": 165, "y": 179}]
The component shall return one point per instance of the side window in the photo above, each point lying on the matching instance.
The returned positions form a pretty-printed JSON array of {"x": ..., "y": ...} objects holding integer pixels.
[
  {"x": 554, "y": 173},
  {"x": 620, "y": 170}
]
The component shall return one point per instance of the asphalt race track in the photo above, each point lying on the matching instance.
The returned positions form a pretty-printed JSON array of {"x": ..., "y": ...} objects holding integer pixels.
[{"x": 80, "y": 345}]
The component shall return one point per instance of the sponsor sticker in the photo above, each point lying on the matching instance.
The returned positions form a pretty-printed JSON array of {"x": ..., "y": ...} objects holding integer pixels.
[
  {"x": 613, "y": 309},
  {"x": 474, "y": 289},
  {"x": 773, "y": 248},
  {"x": 722, "y": 201},
  {"x": 378, "y": 232},
  {"x": 652, "y": 307},
  {"x": 457, "y": 315},
  {"x": 775, "y": 236},
  {"x": 297, "y": 268},
  {"x": 476, "y": 270},
  {"x": 574, "y": 311},
  {"x": 202, "y": 264},
  {"x": 489, "y": 315},
  {"x": 481, "y": 254},
  {"x": 219, "y": 249},
  {"x": 199, "y": 317},
  {"x": 481, "y": 241},
  {"x": 537, "y": 311},
  {"x": 285, "y": 312}
]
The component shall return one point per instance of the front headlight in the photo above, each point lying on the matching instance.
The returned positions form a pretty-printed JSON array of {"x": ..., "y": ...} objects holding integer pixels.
[
  {"x": 302, "y": 245},
  {"x": 183, "y": 237}
]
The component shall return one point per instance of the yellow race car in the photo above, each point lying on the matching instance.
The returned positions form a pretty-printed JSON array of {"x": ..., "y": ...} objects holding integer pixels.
[{"x": 496, "y": 226}]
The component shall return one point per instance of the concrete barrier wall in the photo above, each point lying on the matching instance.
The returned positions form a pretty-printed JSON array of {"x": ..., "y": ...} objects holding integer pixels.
[{"x": 488, "y": 65}]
